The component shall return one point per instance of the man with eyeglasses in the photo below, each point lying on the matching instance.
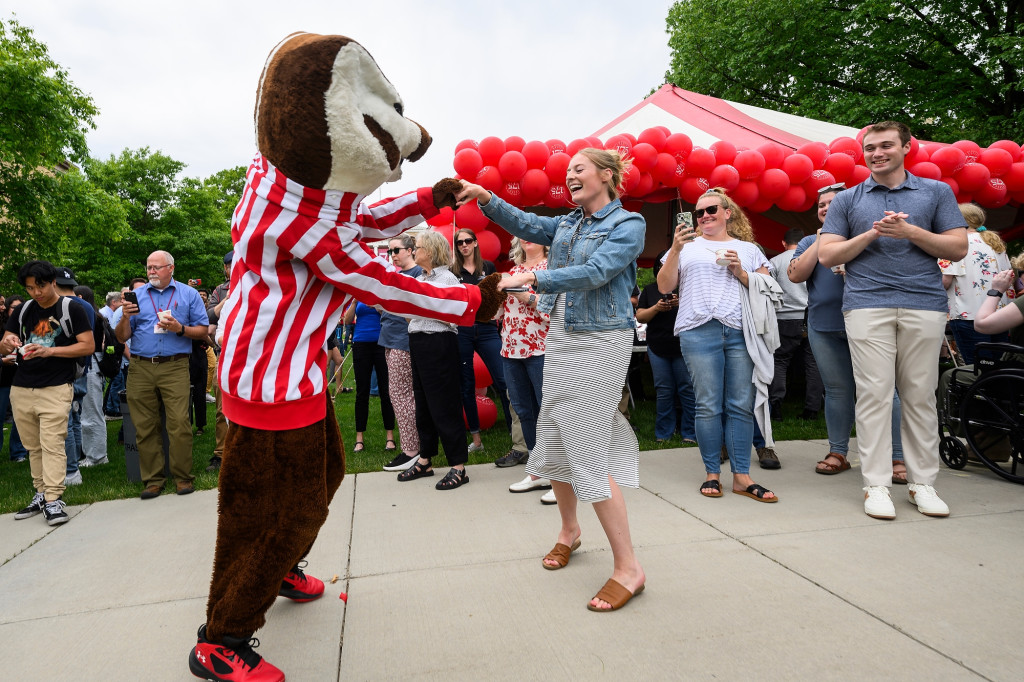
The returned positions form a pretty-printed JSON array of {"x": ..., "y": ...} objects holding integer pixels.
[
  {"x": 161, "y": 323},
  {"x": 888, "y": 231}
]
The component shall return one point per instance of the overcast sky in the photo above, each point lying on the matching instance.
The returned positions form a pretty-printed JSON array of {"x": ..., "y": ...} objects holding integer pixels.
[{"x": 180, "y": 77}]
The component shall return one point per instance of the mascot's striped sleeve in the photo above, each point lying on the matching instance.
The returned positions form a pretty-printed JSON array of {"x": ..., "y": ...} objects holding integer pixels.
[{"x": 298, "y": 257}]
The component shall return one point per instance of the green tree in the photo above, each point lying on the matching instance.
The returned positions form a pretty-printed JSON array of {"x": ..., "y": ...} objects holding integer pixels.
[{"x": 951, "y": 70}]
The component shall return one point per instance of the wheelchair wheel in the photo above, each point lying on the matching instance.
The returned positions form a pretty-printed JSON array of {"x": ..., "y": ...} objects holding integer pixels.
[
  {"x": 953, "y": 452},
  {"x": 992, "y": 415}
]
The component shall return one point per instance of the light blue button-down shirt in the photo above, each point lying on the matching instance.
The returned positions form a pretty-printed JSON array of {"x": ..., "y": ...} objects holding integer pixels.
[{"x": 184, "y": 303}]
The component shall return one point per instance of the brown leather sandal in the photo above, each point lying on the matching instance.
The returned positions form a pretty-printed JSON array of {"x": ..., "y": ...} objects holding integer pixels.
[
  {"x": 899, "y": 477},
  {"x": 615, "y": 595},
  {"x": 828, "y": 469},
  {"x": 560, "y": 554}
]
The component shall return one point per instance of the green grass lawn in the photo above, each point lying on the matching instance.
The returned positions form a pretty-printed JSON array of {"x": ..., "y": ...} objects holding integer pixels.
[{"x": 110, "y": 481}]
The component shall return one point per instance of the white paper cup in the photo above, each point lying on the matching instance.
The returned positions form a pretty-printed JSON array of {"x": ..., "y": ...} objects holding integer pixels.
[{"x": 721, "y": 258}]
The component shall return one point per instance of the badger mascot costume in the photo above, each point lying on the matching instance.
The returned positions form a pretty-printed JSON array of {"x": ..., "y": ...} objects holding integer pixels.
[{"x": 330, "y": 129}]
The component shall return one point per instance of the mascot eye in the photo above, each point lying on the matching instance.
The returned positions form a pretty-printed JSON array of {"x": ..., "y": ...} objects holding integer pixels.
[{"x": 398, "y": 108}]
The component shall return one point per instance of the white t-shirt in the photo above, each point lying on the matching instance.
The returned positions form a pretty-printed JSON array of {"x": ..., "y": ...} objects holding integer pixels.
[{"x": 708, "y": 290}]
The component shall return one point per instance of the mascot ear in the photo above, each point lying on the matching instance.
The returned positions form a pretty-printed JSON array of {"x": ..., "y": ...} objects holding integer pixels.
[
  {"x": 444, "y": 192},
  {"x": 490, "y": 298}
]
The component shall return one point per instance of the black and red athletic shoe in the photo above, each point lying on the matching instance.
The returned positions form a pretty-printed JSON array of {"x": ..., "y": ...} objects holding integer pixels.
[
  {"x": 232, "y": 661},
  {"x": 300, "y": 587}
]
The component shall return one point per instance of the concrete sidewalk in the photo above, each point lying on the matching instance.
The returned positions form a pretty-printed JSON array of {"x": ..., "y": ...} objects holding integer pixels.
[{"x": 448, "y": 585}]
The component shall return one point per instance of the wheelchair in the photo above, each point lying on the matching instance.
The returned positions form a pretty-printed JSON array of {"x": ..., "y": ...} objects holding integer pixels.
[{"x": 984, "y": 404}]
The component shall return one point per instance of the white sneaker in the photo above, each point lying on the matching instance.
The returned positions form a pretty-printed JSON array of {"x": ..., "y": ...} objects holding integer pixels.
[
  {"x": 548, "y": 498},
  {"x": 210, "y": 398},
  {"x": 928, "y": 503},
  {"x": 86, "y": 463},
  {"x": 528, "y": 484},
  {"x": 877, "y": 503},
  {"x": 73, "y": 479},
  {"x": 476, "y": 447}
]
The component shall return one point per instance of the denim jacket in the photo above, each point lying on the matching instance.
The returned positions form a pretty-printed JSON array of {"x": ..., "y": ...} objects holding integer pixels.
[{"x": 592, "y": 261}]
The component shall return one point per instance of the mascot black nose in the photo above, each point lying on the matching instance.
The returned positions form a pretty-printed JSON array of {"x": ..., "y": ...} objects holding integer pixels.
[{"x": 418, "y": 153}]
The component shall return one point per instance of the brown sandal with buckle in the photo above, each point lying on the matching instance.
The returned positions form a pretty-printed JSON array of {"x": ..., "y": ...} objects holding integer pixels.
[
  {"x": 828, "y": 469},
  {"x": 615, "y": 594},
  {"x": 899, "y": 477},
  {"x": 559, "y": 554}
]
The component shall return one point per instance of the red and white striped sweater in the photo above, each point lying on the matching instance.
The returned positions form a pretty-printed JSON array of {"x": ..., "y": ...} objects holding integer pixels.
[{"x": 298, "y": 256}]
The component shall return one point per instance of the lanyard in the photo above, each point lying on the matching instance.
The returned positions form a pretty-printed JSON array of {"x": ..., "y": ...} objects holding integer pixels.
[{"x": 159, "y": 310}]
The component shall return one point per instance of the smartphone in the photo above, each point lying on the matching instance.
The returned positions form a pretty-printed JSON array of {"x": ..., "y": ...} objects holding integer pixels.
[
  {"x": 668, "y": 297},
  {"x": 516, "y": 290},
  {"x": 131, "y": 297},
  {"x": 685, "y": 219}
]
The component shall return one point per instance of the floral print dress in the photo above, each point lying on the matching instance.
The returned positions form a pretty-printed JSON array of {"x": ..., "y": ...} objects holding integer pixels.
[{"x": 973, "y": 277}]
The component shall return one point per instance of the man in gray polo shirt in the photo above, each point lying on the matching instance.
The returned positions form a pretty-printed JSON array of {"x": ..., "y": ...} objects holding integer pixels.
[{"x": 889, "y": 231}]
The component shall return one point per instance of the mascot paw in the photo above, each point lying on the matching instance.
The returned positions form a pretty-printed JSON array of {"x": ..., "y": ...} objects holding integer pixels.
[
  {"x": 445, "y": 191},
  {"x": 490, "y": 298}
]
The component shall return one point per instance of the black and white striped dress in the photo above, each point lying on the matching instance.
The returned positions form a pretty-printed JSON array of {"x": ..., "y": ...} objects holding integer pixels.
[{"x": 582, "y": 438}]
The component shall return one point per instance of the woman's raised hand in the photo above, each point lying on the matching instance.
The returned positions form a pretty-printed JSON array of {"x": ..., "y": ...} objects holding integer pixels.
[{"x": 470, "y": 192}]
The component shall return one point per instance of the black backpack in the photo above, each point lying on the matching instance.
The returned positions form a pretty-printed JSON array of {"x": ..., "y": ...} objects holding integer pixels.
[
  {"x": 82, "y": 363},
  {"x": 109, "y": 351}
]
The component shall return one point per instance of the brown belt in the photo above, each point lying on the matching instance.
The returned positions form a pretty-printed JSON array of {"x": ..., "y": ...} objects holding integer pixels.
[{"x": 162, "y": 358}]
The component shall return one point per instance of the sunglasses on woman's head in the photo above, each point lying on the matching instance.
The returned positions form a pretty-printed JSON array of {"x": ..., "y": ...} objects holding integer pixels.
[
  {"x": 463, "y": 242},
  {"x": 710, "y": 210}
]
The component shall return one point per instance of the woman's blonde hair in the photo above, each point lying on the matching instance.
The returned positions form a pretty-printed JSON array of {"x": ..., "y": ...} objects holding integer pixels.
[
  {"x": 478, "y": 260},
  {"x": 517, "y": 254},
  {"x": 975, "y": 217},
  {"x": 437, "y": 248},
  {"x": 738, "y": 226},
  {"x": 605, "y": 159},
  {"x": 1017, "y": 262}
]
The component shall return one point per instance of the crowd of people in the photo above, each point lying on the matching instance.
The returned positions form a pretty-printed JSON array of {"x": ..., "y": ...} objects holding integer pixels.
[{"x": 862, "y": 305}]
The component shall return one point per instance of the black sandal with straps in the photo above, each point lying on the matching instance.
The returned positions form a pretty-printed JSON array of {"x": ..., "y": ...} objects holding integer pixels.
[
  {"x": 453, "y": 479},
  {"x": 417, "y": 470}
]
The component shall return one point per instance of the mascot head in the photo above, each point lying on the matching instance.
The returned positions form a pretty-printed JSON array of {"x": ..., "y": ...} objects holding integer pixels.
[{"x": 327, "y": 117}]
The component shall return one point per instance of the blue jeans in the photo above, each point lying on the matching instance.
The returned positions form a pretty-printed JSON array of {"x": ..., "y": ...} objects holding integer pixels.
[
  {"x": 17, "y": 450},
  {"x": 832, "y": 353},
  {"x": 112, "y": 403},
  {"x": 525, "y": 379},
  {"x": 721, "y": 371},
  {"x": 73, "y": 441},
  {"x": 966, "y": 338},
  {"x": 484, "y": 339},
  {"x": 671, "y": 381}
]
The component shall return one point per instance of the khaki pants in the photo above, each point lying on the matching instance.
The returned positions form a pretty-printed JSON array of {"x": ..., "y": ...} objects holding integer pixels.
[
  {"x": 150, "y": 386},
  {"x": 896, "y": 348},
  {"x": 42, "y": 418}
]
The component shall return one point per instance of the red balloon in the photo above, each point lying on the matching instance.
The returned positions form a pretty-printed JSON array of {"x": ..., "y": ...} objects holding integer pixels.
[
  {"x": 465, "y": 144},
  {"x": 772, "y": 184},
  {"x": 490, "y": 245},
  {"x": 762, "y": 204},
  {"x": 792, "y": 199},
  {"x": 818, "y": 179},
  {"x": 482, "y": 377},
  {"x": 724, "y": 176},
  {"x": 645, "y": 187},
  {"x": 992, "y": 194},
  {"x": 773, "y": 154},
  {"x": 558, "y": 196},
  {"x": 630, "y": 179},
  {"x": 664, "y": 129},
  {"x": 911, "y": 156},
  {"x": 489, "y": 178},
  {"x": 749, "y": 163},
  {"x": 692, "y": 188},
  {"x": 512, "y": 165},
  {"x": 679, "y": 146},
  {"x": 970, "y": 149},
  {"x": 972, "y": 176},
  {"x": 467, "y": 163},
  {"x": 444, "y": 217},
  {"x": 926, "y": 169},
  {"x": 998, "y": 161},
  {"x": 486, "y": 412},
  {"x": 798, "y": 167},
  {"x": 746, "y": 193},
  {"x": 664, "y": 168},
  {"x": 953, "y": 184},
  {"x": 817, "y": 152},
  {"x": 644, "y": 156},
  {"x": 848, "y": 146},
  {"x": 840, "y": 166},
  {"x": 653, "y": 136},
  {"x": 594, "y": 142},
  {"x": 555, "y": 146},
  {"x": 859, "y": 175},
  {"x": 469, "y": 215},
  {"x": 1010, "y": 146},
  {"x": 575, "y": 146},
  {"x": 632, "y": 139},
  {"x": 557, "y": 165},
  {"x": 536, "y": 153},
  {"x": 700, "y": 163},
  {"x": 535, "y": 186},
  {"x": 514, "y": 143},
  {"x": 1014, "y": 177},
  {"x": 491, "y": 149},
  {"x": 446, "y": 231},
  {"x": 512, "y": 192},
  {"x": 620, "y": 144},
  {"x": 725, "y": 152},
  {"x": 948, "y": 159}
]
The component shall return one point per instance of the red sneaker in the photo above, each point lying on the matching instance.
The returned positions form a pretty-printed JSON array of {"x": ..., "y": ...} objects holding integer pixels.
[
  {"x": 232, "y": 661},
  {"x": 300, "y": 587}
]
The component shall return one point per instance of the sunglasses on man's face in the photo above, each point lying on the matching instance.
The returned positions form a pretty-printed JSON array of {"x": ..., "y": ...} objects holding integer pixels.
[
  {"x": 463, "y": 242},
  {"x": 398, "y": 249},
  {"x": 710, "y": 210}
]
